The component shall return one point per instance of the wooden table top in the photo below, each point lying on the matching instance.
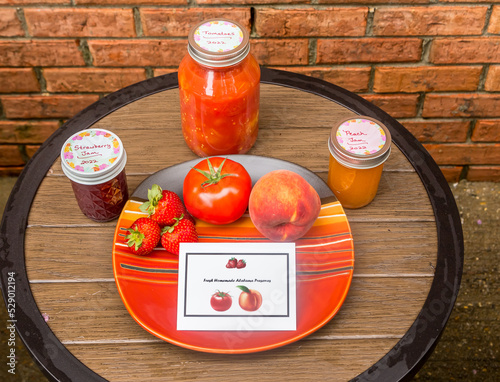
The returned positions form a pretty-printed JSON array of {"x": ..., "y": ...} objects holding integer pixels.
[{"x": 408, "y": 249}]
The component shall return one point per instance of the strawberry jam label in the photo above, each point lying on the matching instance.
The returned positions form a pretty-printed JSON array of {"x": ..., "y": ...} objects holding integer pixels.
[
  {"x": 361, "y": 136},
  {"x": 91, "y": 151},
  {"x": 218, "y": 36}
]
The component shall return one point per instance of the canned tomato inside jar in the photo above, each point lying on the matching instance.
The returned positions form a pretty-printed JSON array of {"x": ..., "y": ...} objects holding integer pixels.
[
  {"x": 219, "y": 87},
  {"x": 94, "y": 161},
  {"x": 358, "y": 148}
]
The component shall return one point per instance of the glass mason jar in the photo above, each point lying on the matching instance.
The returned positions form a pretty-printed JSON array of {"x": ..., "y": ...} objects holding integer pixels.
[
  {"x": 94, "y": 161},
  {"x": 358, "y": 149},
  {"x": 219, "y": 84}
]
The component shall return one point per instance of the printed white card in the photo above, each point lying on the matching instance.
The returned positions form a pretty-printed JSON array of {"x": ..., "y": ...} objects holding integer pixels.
[{"x": 237, "y": 287}]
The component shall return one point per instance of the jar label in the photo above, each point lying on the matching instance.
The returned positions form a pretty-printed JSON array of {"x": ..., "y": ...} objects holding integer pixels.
[
  {"x": 92, "y": 150},
  {"x": 361, "y": 136},
  {"x": 218, "y": 36}
]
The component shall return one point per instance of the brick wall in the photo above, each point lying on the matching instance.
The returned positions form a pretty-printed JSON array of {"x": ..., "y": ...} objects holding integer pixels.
[{"x": 434, "y": 65}]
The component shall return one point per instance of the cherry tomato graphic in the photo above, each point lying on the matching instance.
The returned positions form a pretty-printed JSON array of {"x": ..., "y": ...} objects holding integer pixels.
[
  {"x": 250, "y": 300},
  {"x": 221, "y": 301}
]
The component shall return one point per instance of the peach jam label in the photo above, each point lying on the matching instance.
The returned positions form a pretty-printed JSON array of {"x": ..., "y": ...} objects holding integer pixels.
[
  {"x": 218, "y": 36},
  {"x": 361, "y": 136},
  {"x": 91, "y": 151}
]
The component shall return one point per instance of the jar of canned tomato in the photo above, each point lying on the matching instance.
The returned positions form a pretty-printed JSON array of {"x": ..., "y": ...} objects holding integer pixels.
[
  {"x": 219, "y": 84},
  {"x": 358, "y": 149}
]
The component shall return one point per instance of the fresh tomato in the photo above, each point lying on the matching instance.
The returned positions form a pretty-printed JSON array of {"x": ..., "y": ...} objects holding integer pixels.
[
  {"x": 250, "y": 300},
  {"x": 221, "y": 301},
  {"x": 217, "y": 190}
]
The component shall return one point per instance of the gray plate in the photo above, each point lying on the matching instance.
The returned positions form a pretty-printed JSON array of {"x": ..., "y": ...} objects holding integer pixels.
[{"x": 172, "y": 178}]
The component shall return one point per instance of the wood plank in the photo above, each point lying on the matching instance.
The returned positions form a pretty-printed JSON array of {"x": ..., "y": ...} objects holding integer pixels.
[
  {"x": 382, "y": 249},
  {"x": 401, "y": 197},
  {"x": 94, "y": 312},
  {"x": 152, "y": 125},
  {"x": 308, "y": 360}
]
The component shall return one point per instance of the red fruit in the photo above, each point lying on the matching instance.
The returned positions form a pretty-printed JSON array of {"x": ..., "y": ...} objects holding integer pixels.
[
  {"x": 182, "y": 231},
  {"x": 231, "y": 263},
  {"x": 163, "y": 206},
  {"x": 241, "y": 264},
  {"x": 221, "y": 301},
  {"x": 144, "y": 235}
]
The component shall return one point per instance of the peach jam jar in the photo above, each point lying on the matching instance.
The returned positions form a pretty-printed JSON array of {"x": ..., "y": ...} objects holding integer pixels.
[
  {"x": 219, "y": 85},
  {"x": 94, "y": 161},
  {"x": 358, "y": 149}
]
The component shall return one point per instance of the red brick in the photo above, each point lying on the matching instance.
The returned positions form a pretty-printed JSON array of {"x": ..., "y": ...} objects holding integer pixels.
[
  {"x": 492, "y": 83},
  {"x": 281, "y": 52},
  {"x": 40, "y": 53},
  {"x": 31, "y": 150},
  {"x": 137, "y": 52},
  {"x": 10, "y": 155},
  {"x": 494, "y": 24},
  {"x": 162, "y": 71},
  {"x": 438, "y": 131},
  {"x": 484, "y": 173},
  {"x": 131, "y": 2},
  {"x": 60, "y": 106},
  {"x": 179, "y": 21},
  {"x": 352, "y": 79},
  {"x": 311, "y": 22},
  {"x": 91, "y": 79},
  {"x": 461, "y": 105},
  {"x": 396, "y": 105},
  {"x": 10, "y": 25},
  {"x": 369, "y": 2},
  {"x": 464, "y": 153},
  {"x": 426, "y": 79},
  {"x": 475, "y": 50},
  {"x": 18, "y": 3},
  {"x": 46, "y": 22},
  {"x": 26, "y": 131},
  {"x": 452, "y": 173},
  {"x": 11, "y": 171},
  {"x": 369, "y": 50},
  {"x": 18, "y": 80},
  {"x": 486, "y": 130},
  {"x": 256, "y": 2},
  {"x": 430, "y": 21}
]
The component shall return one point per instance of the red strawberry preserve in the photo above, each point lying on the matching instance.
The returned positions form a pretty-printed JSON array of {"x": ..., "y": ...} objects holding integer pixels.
[{"x": 94, "y": 161}]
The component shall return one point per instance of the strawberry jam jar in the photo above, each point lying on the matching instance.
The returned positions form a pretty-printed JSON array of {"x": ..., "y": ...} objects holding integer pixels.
[
  {"x": 358, "y": 149},
  {"x": 94, "y": 161},
  {"x": 219, "y": 84}
]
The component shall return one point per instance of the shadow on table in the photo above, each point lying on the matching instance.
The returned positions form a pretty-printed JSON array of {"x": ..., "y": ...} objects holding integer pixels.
[{"x": 468, "y": 349}]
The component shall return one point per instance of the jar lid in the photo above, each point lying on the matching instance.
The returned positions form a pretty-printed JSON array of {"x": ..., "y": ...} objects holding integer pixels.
[
  {"x": 360, "y": 142},
  {"x": 218, "y": 42},
  {"x": 93, "y": 156}
]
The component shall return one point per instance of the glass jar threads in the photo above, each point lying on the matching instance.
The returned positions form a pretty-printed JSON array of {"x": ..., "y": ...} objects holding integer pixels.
[
  {"x": 219, "y": 85},
  {"x": 94, "y": 161},
  {"x": 358, "y": 147}
]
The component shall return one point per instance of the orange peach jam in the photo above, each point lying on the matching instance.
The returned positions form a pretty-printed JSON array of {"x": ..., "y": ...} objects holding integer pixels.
[{"x": 358, "y": 149}]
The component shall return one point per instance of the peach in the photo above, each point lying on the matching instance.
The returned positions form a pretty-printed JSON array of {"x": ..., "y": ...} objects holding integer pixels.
[{"x": 283, "y": 205}]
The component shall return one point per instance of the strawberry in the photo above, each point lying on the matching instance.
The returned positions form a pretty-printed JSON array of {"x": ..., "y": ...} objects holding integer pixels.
[
  {"x": 232, "y": 263},
  {"x": 163, "y": 206},
  {"x": 144, "y": 235},
  {"x": 182, "y": 231},
  {"x": 241, "y": 264}
]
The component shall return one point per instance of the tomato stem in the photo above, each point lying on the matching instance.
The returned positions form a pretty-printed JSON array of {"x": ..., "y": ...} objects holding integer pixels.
[{"x": 213, "y": 177}]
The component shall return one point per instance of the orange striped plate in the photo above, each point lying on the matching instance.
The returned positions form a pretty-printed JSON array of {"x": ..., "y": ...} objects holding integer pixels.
[{"x": 148, "y": 285}]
